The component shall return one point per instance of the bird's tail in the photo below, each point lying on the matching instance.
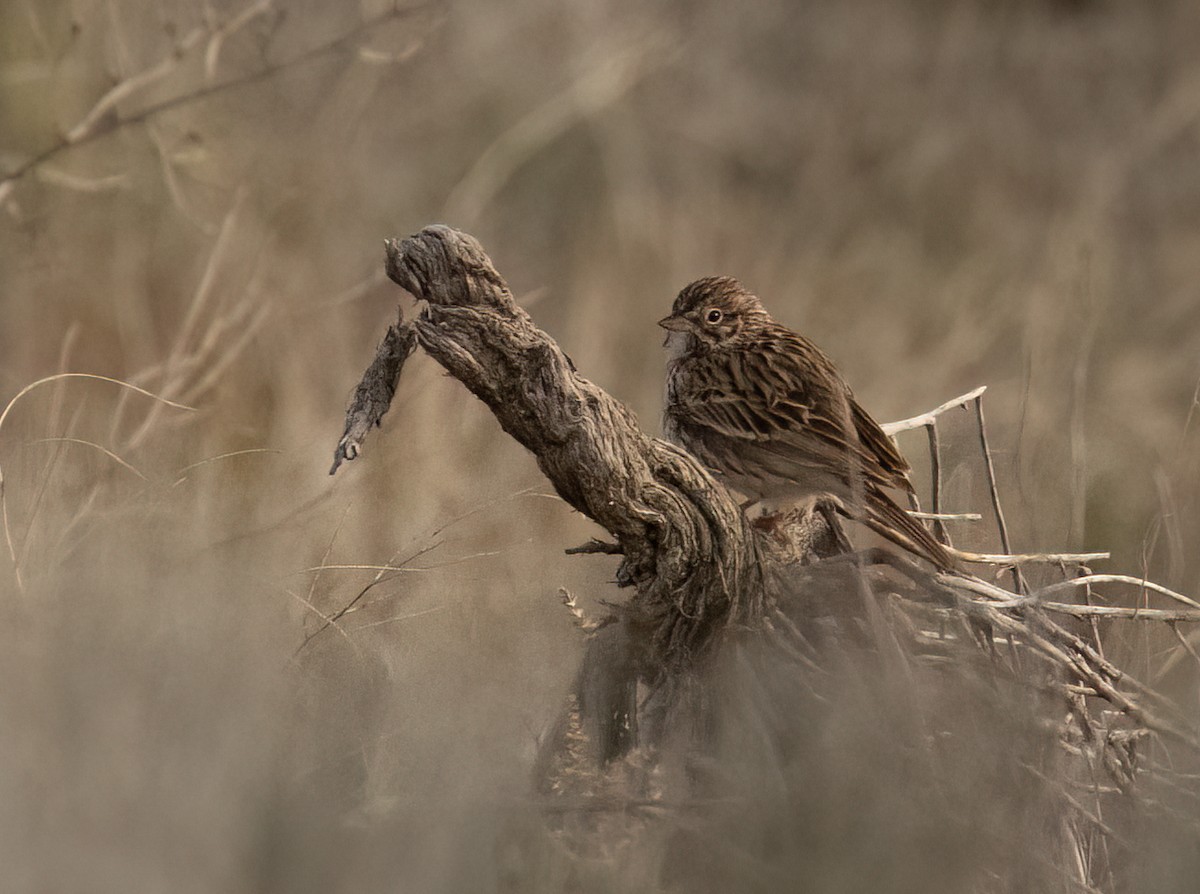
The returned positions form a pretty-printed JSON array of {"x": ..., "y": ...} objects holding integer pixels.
[{"x": 888, "y": 520}]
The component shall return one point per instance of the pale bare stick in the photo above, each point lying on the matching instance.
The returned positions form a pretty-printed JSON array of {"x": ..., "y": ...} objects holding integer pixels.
[
  {"x": 1087, "y": 598},
  {"x": 945, "y": 516},
  {"x": 1139, "y": 582},
  {"x": 1121, "y": 612},
  {"x": 382, "y": 569},
  {"x": 1070, "y": 652},
  {"x": 1001, "y": 598},
  {"x": 1005, "y": 545},
  {"x": 894, "y": 428},
  {"x": 1030, "y": 558},
  {"x": 935, "y": 475},
  {"x": 1005, "y": 599},
  {"x": 1008, "y": 557}
]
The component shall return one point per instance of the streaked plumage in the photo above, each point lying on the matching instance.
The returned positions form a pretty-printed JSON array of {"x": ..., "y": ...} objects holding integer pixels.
[{"x": 766, "y": 408}]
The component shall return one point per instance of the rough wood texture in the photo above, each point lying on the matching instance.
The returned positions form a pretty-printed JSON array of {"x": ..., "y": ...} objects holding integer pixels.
[
  {"x": 688, "y": 549},
  {"x": 374, "y": 393},
  {"x": 869, "y": 643}
]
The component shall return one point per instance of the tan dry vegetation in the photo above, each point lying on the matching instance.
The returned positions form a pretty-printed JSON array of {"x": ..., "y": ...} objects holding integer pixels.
[{"x": 942, "y": 195}]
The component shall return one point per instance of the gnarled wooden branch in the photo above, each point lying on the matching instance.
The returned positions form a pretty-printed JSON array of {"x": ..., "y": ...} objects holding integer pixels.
[
  {"x": 695, "y": 560},
  {"x": 688, "y": 548},
  {"x": 697, "y": 564}
]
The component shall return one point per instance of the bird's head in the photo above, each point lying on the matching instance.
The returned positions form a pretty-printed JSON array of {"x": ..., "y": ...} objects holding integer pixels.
[{"x": 713, "y": 312}]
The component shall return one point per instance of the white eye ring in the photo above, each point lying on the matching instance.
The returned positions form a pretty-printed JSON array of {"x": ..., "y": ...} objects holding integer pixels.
[{"x": 713, "y": 316}]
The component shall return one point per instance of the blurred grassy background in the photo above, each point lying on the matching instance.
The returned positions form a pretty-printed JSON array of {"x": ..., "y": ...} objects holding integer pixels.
[{"x": 940, "y": 194}]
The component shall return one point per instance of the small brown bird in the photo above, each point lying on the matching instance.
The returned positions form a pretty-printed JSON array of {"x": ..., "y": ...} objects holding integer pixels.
[{"x": 765, "y": 408}]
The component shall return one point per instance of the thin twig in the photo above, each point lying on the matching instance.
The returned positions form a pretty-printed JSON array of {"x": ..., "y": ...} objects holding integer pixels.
[
  {"x": 328, "y": 621},
  {"x": 312, "y": 586},
  {"x": 1118, "y": 611},
  {"x": 1018, "y": 578},
  {"x": 894, "y": 428},
  {"x": 594, "y": 547},
  {"x": 1139, "y": 582},
  {"x": 1087, "y": 598},
  {"x": 183, "y": 473},
  {"x": 1030, "y": 558},
  {"x": 113, "y": 456},
  {"x": 336, "y": 616},
  {"x": 935, "y": 475},
  {"x": 428, "y": 611},
  {"x": 405, "y": 569},
  {"x": 1185, "y": 647},
  {"x": 402, "y": 565}
]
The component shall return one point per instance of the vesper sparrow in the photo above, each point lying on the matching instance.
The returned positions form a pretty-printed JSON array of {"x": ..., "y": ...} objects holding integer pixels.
[{"x": 765, "y": 408}]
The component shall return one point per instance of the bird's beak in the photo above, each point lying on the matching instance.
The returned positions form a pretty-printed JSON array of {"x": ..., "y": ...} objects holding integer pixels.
[{"x": 675, "y": 324}]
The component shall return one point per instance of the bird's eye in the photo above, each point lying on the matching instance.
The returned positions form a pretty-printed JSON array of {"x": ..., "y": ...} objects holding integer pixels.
[{"x": 713, "y": 316}]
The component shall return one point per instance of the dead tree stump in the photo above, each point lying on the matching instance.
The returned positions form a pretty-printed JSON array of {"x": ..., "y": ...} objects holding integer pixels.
[{"x": 865, "y": 639}]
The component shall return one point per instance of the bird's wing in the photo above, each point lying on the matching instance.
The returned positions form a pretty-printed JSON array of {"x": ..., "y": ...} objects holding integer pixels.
[
  {"x": 875, "y": 439},
  {"x": 785, "y": 399}
]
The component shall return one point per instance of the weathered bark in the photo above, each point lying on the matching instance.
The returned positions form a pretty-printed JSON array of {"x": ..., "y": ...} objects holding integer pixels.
[
  {"x": 695, "y": 561},
  {"x": 374, "y": 393},
  {"x": 868, "y": 648}
]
